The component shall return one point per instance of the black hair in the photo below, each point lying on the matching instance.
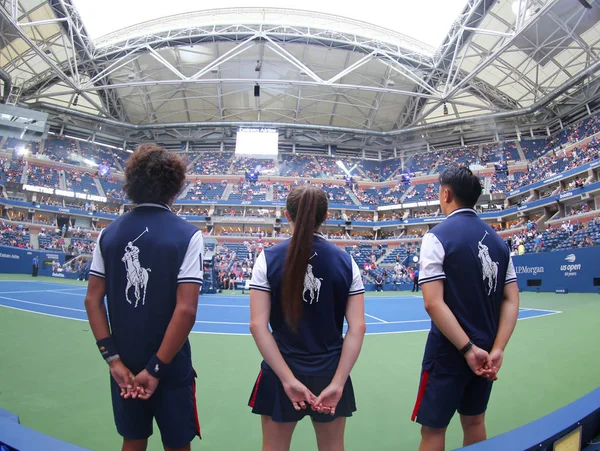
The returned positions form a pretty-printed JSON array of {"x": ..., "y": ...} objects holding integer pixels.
[
  {"x": 153, "y": 174},
  {"x": 465, "y": 185}
]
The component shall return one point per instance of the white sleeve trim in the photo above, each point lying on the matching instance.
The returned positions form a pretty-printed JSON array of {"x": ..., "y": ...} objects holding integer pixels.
[
  {"x": 97, "y": 267},
  {"x": 191, "y": 270},
  {"x": 511, "y": 274},
  {"x": 432, "y": 259},
  {"x": 357, "y": 286},
  {"x": 259, "y": 279}
]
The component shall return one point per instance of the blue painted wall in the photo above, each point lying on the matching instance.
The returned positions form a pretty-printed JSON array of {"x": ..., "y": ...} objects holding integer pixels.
[{"x": 572, "y": 269}]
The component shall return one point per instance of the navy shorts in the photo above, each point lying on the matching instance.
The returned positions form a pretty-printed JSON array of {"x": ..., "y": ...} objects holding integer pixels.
[
  {"x": 173, "y": 408},
  {"x": 444, "y": 390},
  {"x": 268, "y": 398}
]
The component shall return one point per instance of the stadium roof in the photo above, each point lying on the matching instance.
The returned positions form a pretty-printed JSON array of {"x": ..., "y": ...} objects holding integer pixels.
[{"x": 516, "y": 66}]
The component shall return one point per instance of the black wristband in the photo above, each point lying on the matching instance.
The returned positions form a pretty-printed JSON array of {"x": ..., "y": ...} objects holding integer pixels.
[
  {"x": 107, "y": 348},
  {"x": 156, "y": 368},
  {"x": 467, "y": 348}
]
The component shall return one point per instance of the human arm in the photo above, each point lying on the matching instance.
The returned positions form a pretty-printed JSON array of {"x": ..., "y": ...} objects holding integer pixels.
[
  {"x": 355, "y": 316},
  {"x": 328, "y": 399},
  {"x": 260, "y": 311},
  {"x": 509, "y": 313},
  {"x": 98, "y": 319},
  {"x": 431, "y": 279},
  {"x": 184, "y": 315}
]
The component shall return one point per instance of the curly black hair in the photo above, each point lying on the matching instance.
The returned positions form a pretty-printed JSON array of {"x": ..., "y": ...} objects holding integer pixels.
[{"x": 153, "y": 175}]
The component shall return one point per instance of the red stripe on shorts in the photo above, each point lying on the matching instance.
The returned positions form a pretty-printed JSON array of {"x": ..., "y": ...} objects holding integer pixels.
[
  {"x": 255, "y": 392},
  {"x": 422, "y": 385},
  {"x": 196, "y": 410}
]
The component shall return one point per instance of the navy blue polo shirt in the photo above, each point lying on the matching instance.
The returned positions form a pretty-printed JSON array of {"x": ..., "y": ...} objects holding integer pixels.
[
  {"x": 143, "y": 256},
  {"x": 332, "y": 276},
  {"x": 474, "y": 263}
]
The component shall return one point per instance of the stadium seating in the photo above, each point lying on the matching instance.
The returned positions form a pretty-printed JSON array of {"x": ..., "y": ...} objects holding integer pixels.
[
  {"x": 62, "y": 150},
  {"x": 204, "y": 191},
  {"x": 99, "y": 155},
  {"x": 83, "y": 245},
  {"x": 81, "y": 182},
  {"x": 242, "y": 164},
  {"x": 15, "y": 236},
  {"x": 43, "y": 176},
  {"x": 112, "y": 188},
  {"x": 246, "y": 191},
  {"x": 298, "y": 165},
  {"x": 212, "y": 163},
  {"x": 50, "y": 240}
]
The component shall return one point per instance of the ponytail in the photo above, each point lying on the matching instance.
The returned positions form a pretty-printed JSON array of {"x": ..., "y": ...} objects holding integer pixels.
[{"x": 307, "y": 207}]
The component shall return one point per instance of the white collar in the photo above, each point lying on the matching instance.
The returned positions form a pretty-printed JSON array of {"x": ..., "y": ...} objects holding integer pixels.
[
  {"x": 149, "y": 204},
  {"x": 462, "y": 210}
]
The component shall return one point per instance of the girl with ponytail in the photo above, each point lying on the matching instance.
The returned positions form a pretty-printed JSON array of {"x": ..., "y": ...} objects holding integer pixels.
[{"x": 303, "y": 288}]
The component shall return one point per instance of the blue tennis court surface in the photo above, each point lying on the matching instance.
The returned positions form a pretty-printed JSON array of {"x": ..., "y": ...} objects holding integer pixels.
[{"x": 221, "y": 314}]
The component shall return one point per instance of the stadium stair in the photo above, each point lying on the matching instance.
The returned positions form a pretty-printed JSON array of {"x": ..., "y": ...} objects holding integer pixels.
[
  {"x": 99, "y": 187},
  {"x": 78, "y": 152},
  {"x": 24, "y": 176},
  {"x": 352, "y": 196},
  {"x": 437, "y": 163},
  {"x": 62, "y": 180},
  {"x": 406, "y": 193},
  {"x": 185, "y": 190},
  {"x": 319, "y": 168},
  {"x": 192, "y": 163},
  {"x": 227, "y": 191},
  {"x": 522, "y": 156},
  {"x": 487, "y": 184},
  {"x": 398, "y": 170},
  {"x": 269, "y": 195},
  {"x": 35, "y": 242}
]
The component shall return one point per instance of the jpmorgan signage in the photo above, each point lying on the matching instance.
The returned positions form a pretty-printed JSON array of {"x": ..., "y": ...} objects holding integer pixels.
[{"x": 573, "y": 270}]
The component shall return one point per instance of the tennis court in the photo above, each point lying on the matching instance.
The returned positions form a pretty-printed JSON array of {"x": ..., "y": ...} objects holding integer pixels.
[
  {"x": 225, "y": 314},
  {"x": 58, "y": 385}
]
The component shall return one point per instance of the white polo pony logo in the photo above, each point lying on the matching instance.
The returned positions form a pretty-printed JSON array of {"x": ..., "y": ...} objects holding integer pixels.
[
  {"x": 137, "y": 277},
  {"x": 489, "y": 267},
  {"x": 312, "y": 284}
]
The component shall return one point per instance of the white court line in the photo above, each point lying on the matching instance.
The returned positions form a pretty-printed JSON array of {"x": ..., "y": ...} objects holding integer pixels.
[
  {"x": 64, "y": 292},
  {"x": 223, "y": 305},
  {"x": 550, "y": 313},
  {"x": 38, "y": 291},
  {"x": 547, "y": 313},
  {"x": 538, "y": 310},
  {"x": 41, "y": 313},
  {"x": 374, "y": 317},
  {"x": 43, "y": 305}
]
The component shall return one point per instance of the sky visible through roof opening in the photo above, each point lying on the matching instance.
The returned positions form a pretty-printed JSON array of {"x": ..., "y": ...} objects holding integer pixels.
[{"x": 426, "y": 21}]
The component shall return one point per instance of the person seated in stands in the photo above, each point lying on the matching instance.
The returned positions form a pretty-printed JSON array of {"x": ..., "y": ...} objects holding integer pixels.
[
  {"x": 379, "y": 283},
  {"x": 232, "y": 278}
]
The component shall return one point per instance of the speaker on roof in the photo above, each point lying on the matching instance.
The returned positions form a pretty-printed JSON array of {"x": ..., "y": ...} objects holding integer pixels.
[{"x": 256, "y": 91}]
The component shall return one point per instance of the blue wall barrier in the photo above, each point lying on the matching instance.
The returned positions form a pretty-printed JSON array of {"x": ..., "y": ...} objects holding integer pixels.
[
  {"x": 14, "y": 260},
  {"x": 22, "y": 438},
  {"x": 541, "y": 434},
  {"x": 572, "y": 270}
]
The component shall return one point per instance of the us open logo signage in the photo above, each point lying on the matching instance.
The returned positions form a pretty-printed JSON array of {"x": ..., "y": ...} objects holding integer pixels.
[{"x": 571, "y": 269}]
